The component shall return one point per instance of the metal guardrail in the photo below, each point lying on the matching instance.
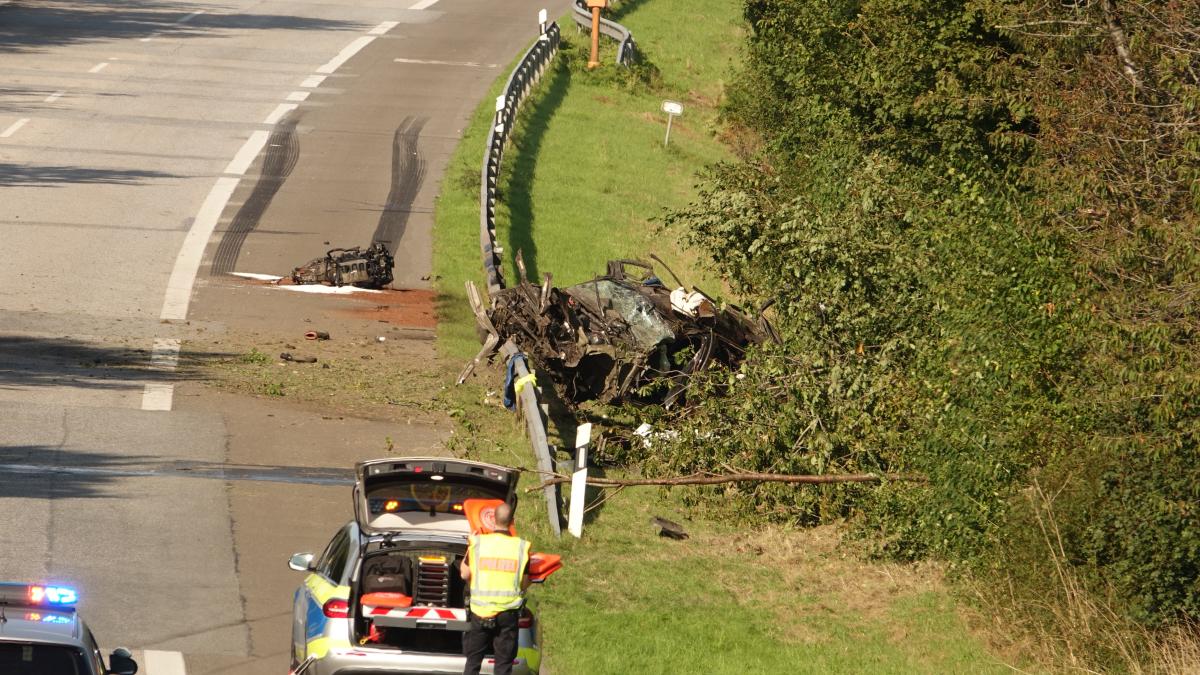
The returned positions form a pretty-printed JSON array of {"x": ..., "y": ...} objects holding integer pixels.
[
  {"x": 627, "y": 53},
  {"x": 523, "y": 77},
  {"x": 520, "y": 82}
]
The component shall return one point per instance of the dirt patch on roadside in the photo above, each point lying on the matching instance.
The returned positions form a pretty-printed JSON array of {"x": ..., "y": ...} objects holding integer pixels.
[{"x": 409, "y": 308}]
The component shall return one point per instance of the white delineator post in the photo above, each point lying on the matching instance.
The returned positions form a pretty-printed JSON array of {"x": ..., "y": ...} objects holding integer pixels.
[{"x": 583, "y": 436}]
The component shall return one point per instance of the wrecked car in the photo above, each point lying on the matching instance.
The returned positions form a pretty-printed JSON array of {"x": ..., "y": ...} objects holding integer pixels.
[
  {"x": 369, "y": 268},
  {"x": 622, "y": 335}
]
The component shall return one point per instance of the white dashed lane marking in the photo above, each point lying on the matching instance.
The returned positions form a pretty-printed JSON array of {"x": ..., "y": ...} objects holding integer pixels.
[
  {"x": 184, "y": 19},
  {"x": 312, "y": 81},
  {"x": 14, "y": 127},
  {"x": 55, "y": 96},
  {"x": 163, "y": 663},
  {"x": 297, "y": 96},
  {"x": 424, "y": 4},
  {"x": 98, "y": 67}
]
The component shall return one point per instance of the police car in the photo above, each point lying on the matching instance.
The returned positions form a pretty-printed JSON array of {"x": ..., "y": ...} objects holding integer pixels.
[
  {"x": 40, "y": 634},
  {"x": 386, "y": 595}
]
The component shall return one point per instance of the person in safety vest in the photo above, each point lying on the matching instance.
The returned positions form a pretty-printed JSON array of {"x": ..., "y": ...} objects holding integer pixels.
[{"x": 496, "y": 566}]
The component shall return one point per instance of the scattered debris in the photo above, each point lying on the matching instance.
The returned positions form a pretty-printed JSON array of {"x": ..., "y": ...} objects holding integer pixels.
[
  {"x": 257, "y": 277},
  {"x": 287, "y": 356},
  {"x": 669, "y": 528},
  {"x": 316, "y": 335},
  {"x": 622, "y": 335},
  {"x": 370, "y": 268}
]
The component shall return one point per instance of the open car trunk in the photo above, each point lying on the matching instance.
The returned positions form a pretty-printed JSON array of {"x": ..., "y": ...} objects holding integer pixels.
[
  {"x": 408, "y": 593},
  {"x": 410, "y": 596},
  {"x": 423, "y": 493}
]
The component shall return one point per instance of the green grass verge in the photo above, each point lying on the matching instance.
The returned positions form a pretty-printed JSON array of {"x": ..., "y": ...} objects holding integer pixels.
[{"x": 585, "y": 180}]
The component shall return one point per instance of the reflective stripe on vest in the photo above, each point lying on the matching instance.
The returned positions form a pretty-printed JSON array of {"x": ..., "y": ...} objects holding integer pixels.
[{"x": 498, "y": 562}]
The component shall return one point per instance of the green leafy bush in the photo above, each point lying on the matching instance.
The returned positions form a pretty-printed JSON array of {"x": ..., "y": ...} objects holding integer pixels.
[{"x": 981, "y": 226}]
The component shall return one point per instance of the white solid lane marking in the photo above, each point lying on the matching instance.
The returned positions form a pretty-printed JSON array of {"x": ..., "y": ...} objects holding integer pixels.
[
  {"x": 183, "y": 274},
  {"x": 312, "y": 81},
  {"x": 297, "y": 96},
  {"x": 428, "y": 62},
  {"x": 14, "y": 127},
  {"x": 164, "y": 357},
  {"x": 279, "y": 111},
  {"x": 164, "y": 663},
  {"x": 55, "y": 96},
  {"x": 145, "y": 39},
  {"x": 383, "y": 28},
  {"x": 344, "y": 55},
  {"x": 245, "y": 156},
  {"x": 424, "y": 4},
  {"x": 98, "y": 67}
]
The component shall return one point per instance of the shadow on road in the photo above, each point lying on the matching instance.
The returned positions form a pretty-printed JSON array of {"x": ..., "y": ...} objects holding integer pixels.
[
  {"x": 46, "y": 472},
  {"x": 25, "y": 175},
  {"x": 49, "y": 472},
  {"x": 34, "y": 362},
  {"x": 33, "y": 25}
]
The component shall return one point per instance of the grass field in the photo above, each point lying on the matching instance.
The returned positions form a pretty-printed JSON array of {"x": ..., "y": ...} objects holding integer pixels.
[{"x": 586, "y": 180}]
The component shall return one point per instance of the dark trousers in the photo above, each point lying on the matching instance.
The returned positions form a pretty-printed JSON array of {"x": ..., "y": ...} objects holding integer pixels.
[{"x": 500, "y": 635}]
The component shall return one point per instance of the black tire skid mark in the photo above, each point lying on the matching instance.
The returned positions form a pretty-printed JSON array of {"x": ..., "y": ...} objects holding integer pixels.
[
  {"x": 283, "y": 151},
  {"x": 408, "y": 173}
]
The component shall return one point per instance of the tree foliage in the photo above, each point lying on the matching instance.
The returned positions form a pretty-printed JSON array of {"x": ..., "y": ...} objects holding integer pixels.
[{"x": 981, "y": 222}]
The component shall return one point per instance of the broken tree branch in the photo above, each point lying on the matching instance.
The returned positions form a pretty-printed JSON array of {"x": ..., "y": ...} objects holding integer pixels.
[
  {"x": 1121, "y": 43},
  {"x": 715, "y": 479}
]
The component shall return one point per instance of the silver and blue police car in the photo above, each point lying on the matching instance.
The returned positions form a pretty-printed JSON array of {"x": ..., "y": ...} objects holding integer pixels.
[
  {"x": 41, "y": 634},
  {"x": 386, "y": 596}
]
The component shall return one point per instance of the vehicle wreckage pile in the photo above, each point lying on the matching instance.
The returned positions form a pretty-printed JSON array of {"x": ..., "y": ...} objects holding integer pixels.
[
  {"x": 623, "y": 335},
  {"x": 364, "y": 268}
]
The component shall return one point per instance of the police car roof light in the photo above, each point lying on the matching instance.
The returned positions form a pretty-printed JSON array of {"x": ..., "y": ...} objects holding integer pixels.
[{"x": 60, "y": 597}]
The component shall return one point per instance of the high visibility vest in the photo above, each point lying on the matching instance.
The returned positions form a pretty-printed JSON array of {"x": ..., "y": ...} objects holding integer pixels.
[{"x": 497, "y": 563}]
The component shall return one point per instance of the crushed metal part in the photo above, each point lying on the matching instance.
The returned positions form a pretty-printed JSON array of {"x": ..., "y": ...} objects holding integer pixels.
[
  {"x": 623, "y": 335},
  {"x": 669, "y": 528},
  {"x": 370, "y": 268}
]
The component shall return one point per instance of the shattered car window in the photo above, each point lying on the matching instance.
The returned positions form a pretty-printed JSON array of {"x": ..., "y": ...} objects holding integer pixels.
[{"x": 645, "y": 323}]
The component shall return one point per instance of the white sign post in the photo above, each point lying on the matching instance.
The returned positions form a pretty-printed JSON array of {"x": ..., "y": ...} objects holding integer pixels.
[
  {"x": 583, "y": 436},
  {"x": 542, "y": 23},
  {"x": 672, "y": 108}
]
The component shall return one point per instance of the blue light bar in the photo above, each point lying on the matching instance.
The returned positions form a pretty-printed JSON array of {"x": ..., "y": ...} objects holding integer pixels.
[
  {"x": 40, "y": 595},
  {"x": 62, "y": 596}
]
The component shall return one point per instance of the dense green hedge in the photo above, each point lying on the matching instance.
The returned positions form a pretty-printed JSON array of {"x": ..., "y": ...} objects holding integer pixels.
[{"x": 982, "y": 229}]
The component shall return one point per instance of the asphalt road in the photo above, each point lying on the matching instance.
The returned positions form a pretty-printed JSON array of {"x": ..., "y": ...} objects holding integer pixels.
[{"x": 147, "y": 149}]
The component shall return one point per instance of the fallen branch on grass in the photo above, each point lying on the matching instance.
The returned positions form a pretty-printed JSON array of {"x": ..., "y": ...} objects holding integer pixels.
[{"x": 714, "y": 479}]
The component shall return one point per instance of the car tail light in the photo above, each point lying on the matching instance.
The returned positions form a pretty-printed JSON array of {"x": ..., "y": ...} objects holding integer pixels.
[{"x": 336, "y": 608}]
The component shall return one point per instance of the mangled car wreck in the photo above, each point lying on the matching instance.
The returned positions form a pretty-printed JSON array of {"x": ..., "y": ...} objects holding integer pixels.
[{"x": 623, "y": 335}]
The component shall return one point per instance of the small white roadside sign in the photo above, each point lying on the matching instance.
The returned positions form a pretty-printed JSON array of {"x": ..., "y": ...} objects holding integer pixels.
[{"x": 673, "y": 109}]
